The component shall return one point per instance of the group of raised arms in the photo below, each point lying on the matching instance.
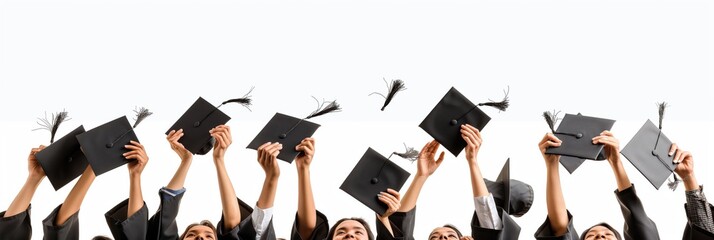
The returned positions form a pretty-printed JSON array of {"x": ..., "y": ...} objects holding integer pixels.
[{"x": 494, "y": 202}]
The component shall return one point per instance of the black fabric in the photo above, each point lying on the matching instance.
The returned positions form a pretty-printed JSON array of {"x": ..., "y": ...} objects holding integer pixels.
[
  {"x": 545, "y": 231},
  {"x": 322, "y": 227},
  {"x": 286, "y": 130},
  {"x": 510, "y": 231},
  {"x": 162, "y": 225},
  {"x": 403, "y": 222},
  {"x": 125, "y": 227},
  {"x": 62, "y": 160},
  {"x": 694, "y": 232},
  {"x": 245, "y": 229},
  {"x": 17, "y": 226},
  {"x": 68, "y": 230},
  {"x": 638, "y": 226}
]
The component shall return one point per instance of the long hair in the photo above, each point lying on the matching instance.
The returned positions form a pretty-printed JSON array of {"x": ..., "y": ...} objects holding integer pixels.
[
  {"x": 360, "y": 220},
  {"x": 202, "y": 223},
  {"x": 617, "y": 234}
]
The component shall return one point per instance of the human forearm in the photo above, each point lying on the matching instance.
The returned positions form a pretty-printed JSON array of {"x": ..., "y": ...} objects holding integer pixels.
[
  {"x": 306, "y": 214},
  {"x": 75, "y": 198},
  {"x": 410, "y": 197},
  {"x": 136, "y": 198},
  {"x": 231, "y": 209},
  {"x": 179, "y": 178},
  {"x": 557, "y": 211},
  {"x": 24, "y": 197},
  {"x": 478, "y": 186}
]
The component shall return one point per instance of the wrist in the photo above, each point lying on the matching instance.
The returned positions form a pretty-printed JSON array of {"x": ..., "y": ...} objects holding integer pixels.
[{"x": 35, "y": 179}]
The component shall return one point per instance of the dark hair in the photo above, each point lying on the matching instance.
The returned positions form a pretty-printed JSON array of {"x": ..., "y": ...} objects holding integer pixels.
[
  {"x": 101, "y": 238},
  {"x": 331, "y": 233},
  {"x": 617, "y": 234},
  {"x": 458, "y": 233},
  {"x": 202, "y": 223}
]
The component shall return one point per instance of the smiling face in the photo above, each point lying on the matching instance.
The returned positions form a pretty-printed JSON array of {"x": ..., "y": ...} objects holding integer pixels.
[
  {"x": 443, "y": 233},
  {"x": 350, "y": 230},
  {"x": 600, "y": 233},
  {"x": 199, "y": 232}
]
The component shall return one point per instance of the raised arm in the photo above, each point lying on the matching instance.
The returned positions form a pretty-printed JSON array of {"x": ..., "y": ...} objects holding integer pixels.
[
  {"x": 74, "y": 200},
  {"x": 557, "y": 211},
  {"x": 306, "y": 214},
  {"x": 426, "y": 165},
  {"x": 34, "y": 178},
  {"x": 612, "y": 152},
  {"x": 136, "y": 167},
  {"x": 698, "y": 209},
  {"x": 267, "y": 158},
  {"x": 177, "y": 181},
  {"x": 473, "y": 139},
  {"x": 231, "y": 208}
]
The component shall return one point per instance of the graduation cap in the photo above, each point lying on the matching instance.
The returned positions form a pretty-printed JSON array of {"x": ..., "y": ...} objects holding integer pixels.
[
  {"x": 393, "y": 88},
  {"x": 577, "y": 132},
  {"x": 514, "y": 196},
  {"x": 104, "y": 145},
  {"x": 569, "y": 163},
  {"x": 453, "y": 110},
  {"x": 200, "y": 118},
  {"x": 62, "y": 160},
  {"x": 290, "y": 131},
  {"x": 373, "y": 174},
  {"x": 648, "y": 151}
]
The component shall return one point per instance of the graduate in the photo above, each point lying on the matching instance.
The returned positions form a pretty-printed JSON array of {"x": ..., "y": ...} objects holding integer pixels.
[
  {"x": 559, "y": 222},
  {"x": 700, "y": 222},
  {"x": 313, "y": 225},
  {"x": 128, "y": 220},
  {"x": 490, "y": 220}
]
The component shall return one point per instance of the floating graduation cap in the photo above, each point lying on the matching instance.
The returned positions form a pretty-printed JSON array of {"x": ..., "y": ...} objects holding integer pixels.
[
  {"x": 570, "y": 163},
  {"x": 444, "y": 121},
  {"x": 577, "y": 132},
  {"x": 200, "y": 118},
  {"x": 373, "y": 174},
  {"x": 648, "y": 151},
  {"x": 290, "y": 131},
  {"x": 514, "y": 196},
  {"x": 393, "y": 88},
  {"x": 62, "y": 160},
  {"x": 104, "y": 145}
]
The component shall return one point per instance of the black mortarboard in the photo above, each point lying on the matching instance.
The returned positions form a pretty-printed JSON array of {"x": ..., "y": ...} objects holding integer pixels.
[
  {"x": 396, "y": 86},
  {"x": 648, "y": 151},
  {"x": 514, "y": 196},
  {"x": 576, "y": 133},
  {"x": 453, "y": 110},
  {"x": 568, "y": 162},
  {"x": 290, "y": 131},
  {"x": 200, "y": 118},
  {"x": 373, "y": 174},
  {"x": 104, "y": 145},
  {"x": 63, "y": 161}
]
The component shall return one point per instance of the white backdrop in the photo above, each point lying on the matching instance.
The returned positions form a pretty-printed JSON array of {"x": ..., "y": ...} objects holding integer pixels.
[{"x": 611, "y": 59}]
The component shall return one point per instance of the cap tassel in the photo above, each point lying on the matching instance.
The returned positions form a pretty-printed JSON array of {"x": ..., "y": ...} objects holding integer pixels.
[
  {"x": 141, "y": 114},
  {"x": 661, "y": 106},
  {"x": 502, "y": 105},
  {"x": 409, "y": 154},
  {"x": 397, "y": 85},
  {"x": 324, "y": 108},
  {"x": 246, "y": 100},
  {"x": 673, "y": 184},
  {"x": 52, "y": 124},
  {"x": 551, "y": 118}
]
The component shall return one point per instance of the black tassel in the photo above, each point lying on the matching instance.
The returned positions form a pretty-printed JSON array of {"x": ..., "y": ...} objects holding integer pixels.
[
  {"x": 673, "y": 184},
  {"x": 246, "y": 100},
  {"x": 141, "y": 114},
  {"x": 324, "y": 108},
  {"x": 502, "y": 105},
  {"x": 551, "y": 118},
  {"x": 53, "y": 124},
  {"x": 409, "y": 154},
  {"x": 392, "y": 89},
  {"x": 661, "y": 106}
]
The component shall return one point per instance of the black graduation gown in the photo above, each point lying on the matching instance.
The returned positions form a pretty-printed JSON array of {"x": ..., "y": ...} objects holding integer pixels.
[
  {"x": 66, "y": 231},
  {"x": 638, "y": 226},
  {"x": 162, "y": 225},
  {"x": 694, "y": 232},
  {"x": 245, "y": 229},
  {"x": 125, "y": 227},
  {"x": 510, "y": 230},
  {"x": 16, "y": 227},
  {"x": 322, "y": 228}
]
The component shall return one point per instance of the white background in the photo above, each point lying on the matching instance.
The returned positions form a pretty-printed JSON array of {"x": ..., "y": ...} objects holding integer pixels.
[{"x": 611, "y": 59}]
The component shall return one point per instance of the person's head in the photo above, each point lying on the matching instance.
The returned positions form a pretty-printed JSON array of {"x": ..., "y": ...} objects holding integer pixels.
[
  {"x": 101, "y": 238},
  {"x": 601, "y": 231},
  {"x": 350, "y": 229},
  {"x": 200, "y": 231},
  {"x": 446, "y": 232}
]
